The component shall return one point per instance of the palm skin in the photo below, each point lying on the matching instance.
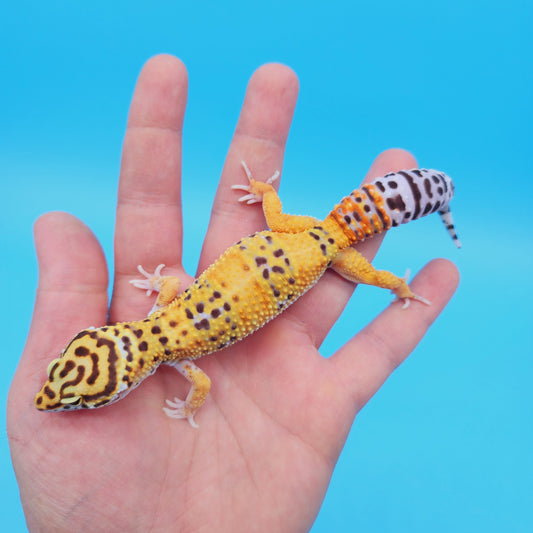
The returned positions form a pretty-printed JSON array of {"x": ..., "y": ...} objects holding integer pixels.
[{"x": 278, "y": 413}]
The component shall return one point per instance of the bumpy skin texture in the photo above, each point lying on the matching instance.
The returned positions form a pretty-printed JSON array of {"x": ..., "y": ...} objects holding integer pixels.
[{"x": 250, "y": 284}]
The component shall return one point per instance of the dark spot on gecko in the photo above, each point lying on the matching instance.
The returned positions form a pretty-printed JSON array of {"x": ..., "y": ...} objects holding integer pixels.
[
  {"x": 200, "y": 307},
  {"x": 141, "y": 362},
  {"x": 69, "y": 365},
  {"x": 189, "y": 314},
  {"x": 314, "y": 235},
  {"x": 214, "y": 338},
  {"x": 167, "y": 352},
  {"x": 49, "y": 392},
  {"x": 148, "y": 319},
  {"x": 427, "y": 188},
  {"x": 357, "y": 216},
  {"x": 266, "y": 273},
  {"x": 217, "y": 294},
  {"x": 227, "y": 319},
  {"x": 203, "y": 324},
  {"x": 396, "y": 202},
  {"x": 278, "y": 269},
  {"x": 366, "y": 208},
  {"x": 233, "y": 338},
  {"x": 323, "y": 248},
  {"x": 347, "y": 219},
  {"x": 172, "y": 323},
  {"x": 104, "y": 329},
  {"x": 220, "y": 346},
  {"x": 331, "y": 241},
  {"x": 163, "y": 340},
  {"x": 292, "y": 281},
  {"x": 184, "y": 332},
  {"x": 379, "y": 185},
  {"x": 81, "y": 351},
  {"x": 234, "y": 326},
  {"x": 91, "y": 380},
  {"x": 262, "y": 247},
  {"x": 268, "y": 238},
  {"x": 127, "y": 368},
  {"x": 138, "y": 333},
  {"x": 227, "y": 306},
  {"x": 278, "y": 252},
  {"x": 275, "y": 291},
  {"x": 143, "y": 346},
  {"x": 287, "y": 262},
  {"x": 260, "y": 261},
  {"x": 116, "y": 332},
  {"x": 392, "y": 184},
  {"x": 215, "y": 313},
  {"x": 156, "y": 330}
]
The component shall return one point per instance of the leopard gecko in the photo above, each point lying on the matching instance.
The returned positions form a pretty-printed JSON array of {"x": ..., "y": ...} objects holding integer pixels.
[{"x": 251, "y": 283}]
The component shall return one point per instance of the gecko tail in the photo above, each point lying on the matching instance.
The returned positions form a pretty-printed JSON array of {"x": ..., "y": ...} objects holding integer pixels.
[{"x": 447, "y": 219}]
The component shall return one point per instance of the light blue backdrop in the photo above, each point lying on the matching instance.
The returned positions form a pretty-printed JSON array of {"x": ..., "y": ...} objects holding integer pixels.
[{"x": 446, "y": 444}]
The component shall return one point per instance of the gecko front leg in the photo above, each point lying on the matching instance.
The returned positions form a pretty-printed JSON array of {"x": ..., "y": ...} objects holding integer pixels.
[
  {"x": 166, "y": 286},
  {"x": 200, "y": 385}
]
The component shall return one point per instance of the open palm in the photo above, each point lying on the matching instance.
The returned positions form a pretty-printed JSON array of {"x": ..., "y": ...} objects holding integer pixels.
[{"x": 278, "y": 413}]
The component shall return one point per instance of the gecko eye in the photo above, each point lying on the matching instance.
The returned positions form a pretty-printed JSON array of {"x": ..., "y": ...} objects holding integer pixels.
[{"x": 51, "y": 367}]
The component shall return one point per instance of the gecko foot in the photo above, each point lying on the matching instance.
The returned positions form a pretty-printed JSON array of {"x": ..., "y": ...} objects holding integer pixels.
[
  {"x": 255, "y": 189},
  {"x": 166, "y": 286},
  {"x": 403, "y": 292},
  {"x": 178, "y": 409},
  {"x": 151, "y": 283}
]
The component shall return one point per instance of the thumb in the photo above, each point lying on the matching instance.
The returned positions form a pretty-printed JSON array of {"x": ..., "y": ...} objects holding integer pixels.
[{"x": 71, "y": 294}]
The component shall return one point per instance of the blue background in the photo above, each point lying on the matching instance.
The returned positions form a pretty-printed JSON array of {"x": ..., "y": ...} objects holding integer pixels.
[{"x": 446, "y": 445}]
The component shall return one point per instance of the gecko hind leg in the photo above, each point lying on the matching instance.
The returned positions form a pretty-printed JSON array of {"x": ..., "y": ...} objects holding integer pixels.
[
  {"x": 259, "y": 191},
  {"x": 166, "y": 286},
  {"x": 351, "y": 265},
  {"x": 200, "y": 386}
]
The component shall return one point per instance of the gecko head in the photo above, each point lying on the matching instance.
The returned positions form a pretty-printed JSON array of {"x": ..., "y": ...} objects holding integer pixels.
[{"x": 87, "y": 374}]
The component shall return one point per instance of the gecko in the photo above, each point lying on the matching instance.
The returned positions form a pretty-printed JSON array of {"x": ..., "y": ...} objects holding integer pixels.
[{"x": 251, "y": 283}]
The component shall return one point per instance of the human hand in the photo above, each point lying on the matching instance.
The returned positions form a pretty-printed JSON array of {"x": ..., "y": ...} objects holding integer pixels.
[{"x": 278, "y": 413}]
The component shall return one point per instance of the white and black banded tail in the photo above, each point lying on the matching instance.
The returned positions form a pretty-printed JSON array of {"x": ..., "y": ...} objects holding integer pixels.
[{"x": 394, "y": 199}]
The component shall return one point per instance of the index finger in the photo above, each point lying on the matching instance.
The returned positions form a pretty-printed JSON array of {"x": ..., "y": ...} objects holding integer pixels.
[{"x": 149, "y": 215}]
